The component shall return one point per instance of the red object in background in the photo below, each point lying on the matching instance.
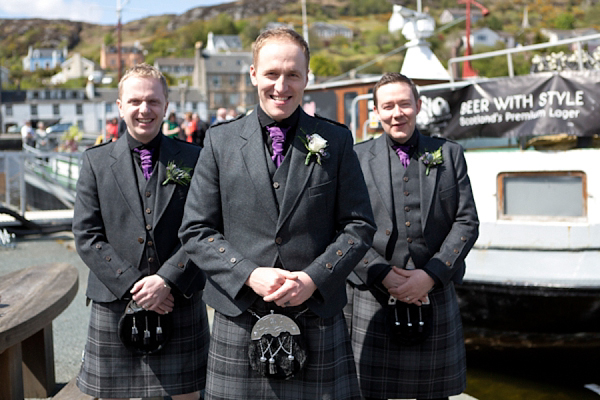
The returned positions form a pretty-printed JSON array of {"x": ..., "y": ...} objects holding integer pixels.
[{"x": 468, "y": 71}]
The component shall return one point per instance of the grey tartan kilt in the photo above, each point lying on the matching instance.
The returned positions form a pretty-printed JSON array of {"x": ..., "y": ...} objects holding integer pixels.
[
  {"x": 329, "y": 372},
  {"x": 109, "y": 370},
  {"x": 386, "y": 370}
]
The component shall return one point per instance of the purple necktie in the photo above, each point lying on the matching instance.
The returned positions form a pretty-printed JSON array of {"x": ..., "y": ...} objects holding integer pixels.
[
  {"x": 146, "y": 157},
  {"x": 402, "y": 152},
  {"x": 278, "y": 136}
]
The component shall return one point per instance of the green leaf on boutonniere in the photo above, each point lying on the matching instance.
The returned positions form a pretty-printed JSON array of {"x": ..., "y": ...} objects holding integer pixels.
[
  {"x": 316, "y": 146},
  {"x": 177, "y": 175}
]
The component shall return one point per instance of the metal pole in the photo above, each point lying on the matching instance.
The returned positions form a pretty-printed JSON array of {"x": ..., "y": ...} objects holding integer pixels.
[
  {"x": 304, "y": 22},
  {"x": 511, "y": 71},
  {"x": 22, "y": 187}
]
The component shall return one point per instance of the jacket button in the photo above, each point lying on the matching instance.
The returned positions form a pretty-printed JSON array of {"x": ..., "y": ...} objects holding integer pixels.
[
  {"x": 98, "y": 246},
  {"x": 350, "y": 241},
  {"x": 150, "y": 243},
  {"x": 409, "y": 240},
  {"x": 180, "y": 265},
  {"x": 148, "y": 227},
  {"x": 405, "y": 179},
  {"x": 365, "y": 261},
  {"x": 387, "y": 232},
  {"x": 448, "y": 263},
  {"x": 329, "y": 265},
  {"x": 407, "y": 209},
  {"x": 150, "y": 259},
  {"x": 148, "y": 211},
  {"x": 278, "y": 240},
  {"x": 221, "y": 249},
  {"x": 276, "y": 185},
  {"x": 107, "y": 258},
  {"x": 119, "y": 272},
  {"x": 407, "y": 223},
  {"x": 141, "y": 240},
  {"x": 464, "y": 239},
  {"x": 406, "y": 193},
  {"x": 210, "y": 240},
  {"x": 339, "y": 253},
  {"x": 455, "y": 251},
  {"x": 233, "y": 260},
  {"x": 148, "y": 194}
]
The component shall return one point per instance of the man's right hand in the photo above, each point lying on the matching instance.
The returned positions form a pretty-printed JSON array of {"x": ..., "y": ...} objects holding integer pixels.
[
  {"x": 393, "y": 279},
  {"x": 266, "y": 280}
]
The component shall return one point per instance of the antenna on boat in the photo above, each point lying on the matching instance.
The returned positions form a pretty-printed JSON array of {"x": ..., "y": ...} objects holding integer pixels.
[{"x": 468, "y": 71}]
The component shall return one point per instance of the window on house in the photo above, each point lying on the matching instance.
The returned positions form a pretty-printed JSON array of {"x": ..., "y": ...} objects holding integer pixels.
[
  {"x": 79, "y": 109},
  {"x": 233, "y": 80},
  {"x": 80, "y": 125},
  {"x": 9, "y": 110},
  {"x": 33, "y": 109},
  {"x": 548, "y": 194},
  {"x": 216, "y": 81},
  {"x": 108, "y": 107}
]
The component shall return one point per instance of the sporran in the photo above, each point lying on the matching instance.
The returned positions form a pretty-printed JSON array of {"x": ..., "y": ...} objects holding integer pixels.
[{"x": 142, "y": 331}]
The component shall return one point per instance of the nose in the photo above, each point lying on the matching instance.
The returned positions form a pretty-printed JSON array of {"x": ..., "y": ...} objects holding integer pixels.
[
  {"x": 143, "y": 106},
  {"x": 280, "y": 84},
  {"x": 397, "y": 112}
]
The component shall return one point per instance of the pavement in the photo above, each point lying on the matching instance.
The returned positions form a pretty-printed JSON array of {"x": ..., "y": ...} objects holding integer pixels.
[{"x": 69, "y": 328}]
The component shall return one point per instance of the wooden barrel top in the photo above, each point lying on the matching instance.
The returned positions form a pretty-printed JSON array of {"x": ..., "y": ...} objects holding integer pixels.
[{"x": 32, "y": 297}]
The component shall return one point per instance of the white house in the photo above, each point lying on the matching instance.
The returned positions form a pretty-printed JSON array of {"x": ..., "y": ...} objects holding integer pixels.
[
  {"x": 554, "y": 35},
  {"x": 487, "y": 37},
  {"x": 452, "y": 14},
  {"x": 329, "y": 31},
  {"x": 222, "y": 43},
  {"x": 43, "y": 58},
  {"x": 75, "y": 67}
]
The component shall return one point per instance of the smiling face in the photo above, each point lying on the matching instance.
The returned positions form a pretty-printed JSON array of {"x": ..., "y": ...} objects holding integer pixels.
[
  {"x": 143, "y": 106},
  {"x": 397, "y": 110},
  {"x": 280, "y": 73}
]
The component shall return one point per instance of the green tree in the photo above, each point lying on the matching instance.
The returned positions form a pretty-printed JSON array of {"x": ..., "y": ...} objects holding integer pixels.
[
  {"x": 109, "y": 39},
  {"x": 564, "y": 21},
  {"x": 323, "y": 65}
]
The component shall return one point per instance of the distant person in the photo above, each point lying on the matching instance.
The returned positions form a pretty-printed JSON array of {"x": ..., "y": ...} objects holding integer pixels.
[
  {"x": 128, "y": 210},
  {"x": 201, "y": 128},
  {"x": 190, "y": 125},
  {"x": 277, "y": 223},
  {"x": 112, "y": 130},
  {"x": 221, "y": 115},
  {"x": 171, "y": 127},
  {"x": 41, "y": 137},
  {"x": 27, "y": 134},
  {"x": 231, "y": 114},
  {"x": 403, "y": 312}
]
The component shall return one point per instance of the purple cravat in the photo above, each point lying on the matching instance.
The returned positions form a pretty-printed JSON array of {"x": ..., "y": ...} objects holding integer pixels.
[
  {"x": 146, "y": 157},
  {"x": 402, "y": 152},
  {"x": 278, "y": 136}
]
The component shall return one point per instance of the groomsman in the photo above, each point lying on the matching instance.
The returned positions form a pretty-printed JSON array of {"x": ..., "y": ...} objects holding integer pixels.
[
  {"x": 403, "y": 312},
  {"x": 129, "y": 205},
  {"x": 278, "y": 215}
]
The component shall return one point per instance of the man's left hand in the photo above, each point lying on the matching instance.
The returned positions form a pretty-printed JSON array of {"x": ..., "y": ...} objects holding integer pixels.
[
  {"x": 293, "y": 292},
  {"x": 152, "y": 294},
  {"x": 416, "y": 287}
]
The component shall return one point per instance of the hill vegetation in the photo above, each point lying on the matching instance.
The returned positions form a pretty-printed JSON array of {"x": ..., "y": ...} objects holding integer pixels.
[{"x": 175, "y": 35}]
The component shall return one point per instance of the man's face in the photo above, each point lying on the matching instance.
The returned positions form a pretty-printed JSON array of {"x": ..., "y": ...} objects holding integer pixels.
[
  {"x": 143, "y": 106},
  {"x": 280, "y": 74},
  {"x": 397, "y": 110}
]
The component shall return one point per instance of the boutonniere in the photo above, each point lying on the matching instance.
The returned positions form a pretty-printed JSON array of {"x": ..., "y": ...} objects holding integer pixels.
[
  {"x": 316, "y": 146},
  {"x": 177, "y": 175},
  {"x": 431, "y": 159}
]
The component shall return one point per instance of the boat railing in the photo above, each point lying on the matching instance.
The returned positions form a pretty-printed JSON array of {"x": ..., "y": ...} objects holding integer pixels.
[{"x": 52, "y": 172}]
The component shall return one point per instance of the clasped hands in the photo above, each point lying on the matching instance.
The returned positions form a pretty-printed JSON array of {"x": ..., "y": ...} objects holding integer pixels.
[
  {"x": 408, "y": 286},
  {"x": 285, "y": 288},
  {"x": 151, "y": 293}
]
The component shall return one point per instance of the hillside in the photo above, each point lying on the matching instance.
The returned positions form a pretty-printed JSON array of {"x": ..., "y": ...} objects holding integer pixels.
[{"x": 175, "y": 35}]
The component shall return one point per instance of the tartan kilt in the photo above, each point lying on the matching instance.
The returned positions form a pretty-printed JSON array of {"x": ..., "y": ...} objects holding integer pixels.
[
  {"x": 109, "y": 370},
  {"x": 329, "y": 372},
  {"x": 435, "y": 368}
]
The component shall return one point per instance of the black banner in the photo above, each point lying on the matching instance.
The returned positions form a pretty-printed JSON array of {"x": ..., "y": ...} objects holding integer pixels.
[{"x": 532, "y": 105}]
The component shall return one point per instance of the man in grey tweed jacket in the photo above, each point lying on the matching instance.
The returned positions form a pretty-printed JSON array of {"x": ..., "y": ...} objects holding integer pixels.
[{"x": 426, "y": 224}]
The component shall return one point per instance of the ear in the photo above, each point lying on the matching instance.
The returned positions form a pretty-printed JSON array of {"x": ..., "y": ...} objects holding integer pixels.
[
  {"x": 120, "y": 106},
  {"x": 419, "y": 102},
  {"x": 253, "y": 75}
]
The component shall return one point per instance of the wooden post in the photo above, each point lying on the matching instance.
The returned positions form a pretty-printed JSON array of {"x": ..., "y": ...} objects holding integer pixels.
[
  {"x": 11, "y": 374},
  {"x": 38, "y": 364}
]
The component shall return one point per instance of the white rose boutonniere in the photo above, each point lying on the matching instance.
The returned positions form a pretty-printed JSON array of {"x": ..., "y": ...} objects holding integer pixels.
[
  {"x": 177, "y": 175},
  {"x": 431, "y": 159},
  {"x": 317, "y": 146}
]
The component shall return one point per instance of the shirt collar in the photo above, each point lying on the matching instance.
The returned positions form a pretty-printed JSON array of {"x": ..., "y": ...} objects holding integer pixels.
[
  {"x": 153, "y": 144},
  {"x": 265, "y": 120},
  {"x": 413, "y": 141}
]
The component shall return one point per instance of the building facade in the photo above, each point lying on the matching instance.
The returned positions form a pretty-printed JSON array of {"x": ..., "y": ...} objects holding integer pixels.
[
  {"x": 44, "y": 58},
  {"x": 130, "y": 56}
]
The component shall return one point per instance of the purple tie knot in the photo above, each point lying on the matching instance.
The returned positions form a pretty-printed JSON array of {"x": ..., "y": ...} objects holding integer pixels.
[
  {"x": 278, "y": 137},
  {"x": 146, "y": 158},
  {"x": 402, "y": 152}
]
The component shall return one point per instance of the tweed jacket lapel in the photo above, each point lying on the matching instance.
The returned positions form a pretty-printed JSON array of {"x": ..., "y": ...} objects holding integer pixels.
[
  {"x": 427, "y": 182},
  {"x": 380, "y": 172},
  {"x": 124, "y": 174},
  {"x": 168, "y": 153},
  {"x": 299, "y": 172},
  {"x": 253, "y": 154}
]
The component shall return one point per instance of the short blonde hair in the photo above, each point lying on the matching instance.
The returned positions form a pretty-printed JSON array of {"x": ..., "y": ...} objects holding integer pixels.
[
  {"x": 280, "y": 33},
  {"x": 146, "y": 71}
]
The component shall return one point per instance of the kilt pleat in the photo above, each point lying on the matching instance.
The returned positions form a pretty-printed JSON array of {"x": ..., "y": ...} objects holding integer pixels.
[
  {"x": 109, "y": 370},
  {"x": 436, "y": 368},
  {"x": 329, "y": 373}
]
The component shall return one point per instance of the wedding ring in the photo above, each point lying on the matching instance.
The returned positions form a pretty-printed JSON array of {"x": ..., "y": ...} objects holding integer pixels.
[{"x": 407, "y": 298}]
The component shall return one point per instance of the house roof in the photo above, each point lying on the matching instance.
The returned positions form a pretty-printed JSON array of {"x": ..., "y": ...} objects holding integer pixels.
[
  {"x": 232, "y": 42},
  {"x": 232, "y": 63},
  {"x": 174, "y": 61}
]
